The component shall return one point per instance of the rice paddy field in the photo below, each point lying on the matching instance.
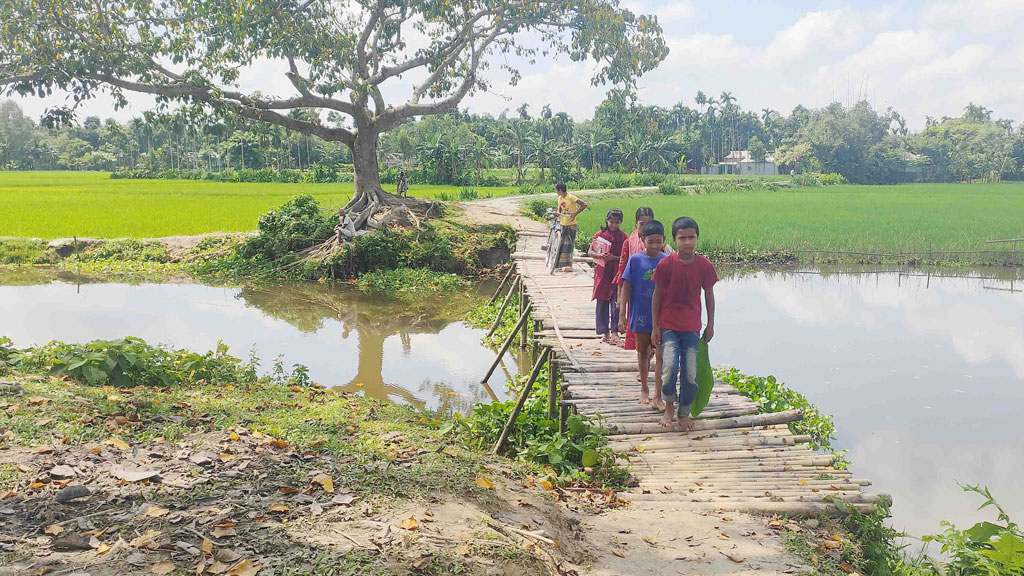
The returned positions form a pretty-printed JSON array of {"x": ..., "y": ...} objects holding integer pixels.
[
  {"x": 851, "y": 218},
  {"x": 91, "y": 204}
]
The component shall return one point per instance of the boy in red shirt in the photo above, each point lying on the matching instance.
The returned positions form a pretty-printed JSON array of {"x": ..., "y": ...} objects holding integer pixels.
[{"x": 676, "y": 311}]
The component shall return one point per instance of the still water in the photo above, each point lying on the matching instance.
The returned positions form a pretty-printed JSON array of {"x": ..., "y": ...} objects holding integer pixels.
[
  {"x": 418, "y": 352},
  {"x": 924, "y": 374}
]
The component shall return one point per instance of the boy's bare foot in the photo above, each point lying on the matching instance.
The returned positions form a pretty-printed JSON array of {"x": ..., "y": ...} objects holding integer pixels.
[
  {"x": 645, "y": 394},
  {"x": 567, "y": 269},
  {"x": 666, "y": 418},
  {"x": 686, "y": 423},
  {"x": 657, "y": 404}
]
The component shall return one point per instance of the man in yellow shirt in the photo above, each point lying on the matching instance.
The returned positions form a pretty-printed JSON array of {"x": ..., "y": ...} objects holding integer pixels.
[{"x": 569, "y": 207}]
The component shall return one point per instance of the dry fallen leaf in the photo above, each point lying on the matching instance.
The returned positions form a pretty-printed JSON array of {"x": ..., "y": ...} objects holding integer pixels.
[
  {"x": 162, "y": 568},
  {"x": 53, "y": 529},
  {"x": 640, "y": 448},
  {"x": 97, "y": 449},
  {"x": 146, "y": 540},
  {"x": 233, "y": 437},
  {"x": 325, "y": 481},
  {"x": 245, "y": 568},
  {"x": 37, "y": 400},
  {"x": 103, "y": 548},
  {"x": 484, "y": 483},
  {"x": 222, "y": 531},
  {"x": 736, "y": 559},
  {"x": 619, "y": 554},
  {"x": 803, "y": 482},
  {"x": 409, "y": 523},
  {"x": 462, "y": 549},
  {"x": 119, "y": 444},
  {"x": 207, "y": 546},
  {"x": 278, "y": 508},
  {"x": 156, "y": 512},
  {"x": 226, "y": 457},
  {"x": 295, "y": 388},
  {"x": 546, "y": 484},
  {"x": 423, "y": 561}
]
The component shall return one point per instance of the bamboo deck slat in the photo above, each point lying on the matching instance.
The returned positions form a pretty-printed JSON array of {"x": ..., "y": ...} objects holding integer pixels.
[{"x": 735, "y": 458}]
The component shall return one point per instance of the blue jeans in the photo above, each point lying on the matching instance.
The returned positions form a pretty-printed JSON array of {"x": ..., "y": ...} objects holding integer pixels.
[{"x": 679, "y": 364}]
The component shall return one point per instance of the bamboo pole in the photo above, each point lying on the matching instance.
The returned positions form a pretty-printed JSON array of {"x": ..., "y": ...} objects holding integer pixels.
[
  {"x": 524, "y": 304},
  {"x": 507, "y": 344},
  {"x": 735, "y": 422},
  {"x": 504, "y": 304},
  {"x": 501, "y": 285},
  {"x": 552, "y": 388},
  {"x": 522, "y": 401}
]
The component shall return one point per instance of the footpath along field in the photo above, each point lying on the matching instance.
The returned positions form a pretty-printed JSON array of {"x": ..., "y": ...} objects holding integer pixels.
[
  {"x": 91, "y": 204},
  {"x": 889, "y": 219}
]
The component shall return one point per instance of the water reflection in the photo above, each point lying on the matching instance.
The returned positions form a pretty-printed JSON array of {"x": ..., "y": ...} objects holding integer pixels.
[
  {"x": 412, "y": 351},
  {"x": 922, "y": 372}
]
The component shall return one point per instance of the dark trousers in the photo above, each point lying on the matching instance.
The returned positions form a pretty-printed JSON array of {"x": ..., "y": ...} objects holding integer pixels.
[{"x": 608, "y": 315}]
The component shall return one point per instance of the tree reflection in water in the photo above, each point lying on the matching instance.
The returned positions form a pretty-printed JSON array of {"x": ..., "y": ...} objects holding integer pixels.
[{"x": 374, "y": 319}]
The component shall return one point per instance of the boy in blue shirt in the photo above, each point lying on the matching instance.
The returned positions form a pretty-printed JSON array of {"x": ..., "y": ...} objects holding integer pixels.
[{"x": 637, "y": 291}]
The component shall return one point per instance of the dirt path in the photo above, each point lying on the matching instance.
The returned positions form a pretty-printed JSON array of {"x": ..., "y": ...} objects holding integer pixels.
[{"x": 669, "y": 540}]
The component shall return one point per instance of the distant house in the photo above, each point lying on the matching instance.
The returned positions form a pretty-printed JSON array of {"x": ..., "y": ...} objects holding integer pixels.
[{"x": 741, "y": 162}]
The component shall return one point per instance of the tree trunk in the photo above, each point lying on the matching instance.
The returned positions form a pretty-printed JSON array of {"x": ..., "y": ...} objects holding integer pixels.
[{"x": 369, "y": 196}]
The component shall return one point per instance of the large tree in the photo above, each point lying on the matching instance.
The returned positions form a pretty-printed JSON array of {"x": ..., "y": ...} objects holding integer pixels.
[{"x": 339, "y": 55}]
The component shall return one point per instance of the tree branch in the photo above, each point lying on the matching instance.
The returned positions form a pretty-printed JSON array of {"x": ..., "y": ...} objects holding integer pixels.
[{"x": 246, "y": 107}]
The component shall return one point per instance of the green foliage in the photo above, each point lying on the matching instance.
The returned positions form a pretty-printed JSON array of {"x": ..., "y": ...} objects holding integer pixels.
[
  {"x": 129, "y": 362},
  {"x": 537, "y": 208},
  {"x": 770, "y": 395},
  {"x": 124, "y": 250},
  {"x": 299, "y": 223},
  {"x": 483, "y": 316},
  {"x": 25, "y": 252},
  {"x": 535, "y": 437},
  {"x": 670, "y": 189},
  {"x": 409, "y": 281},
  {"x": 985, "y": 549},
  {"x": 832, "y": 179}
]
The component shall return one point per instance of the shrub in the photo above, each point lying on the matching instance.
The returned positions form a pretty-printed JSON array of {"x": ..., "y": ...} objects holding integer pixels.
[
  {"x": 535, "y": 437},
  {"x": 832, "y": 179},
  {"x": 536, "y": 208},
  {"x": 409, "y": 281},
  {"x": 322, "y": 173},
  {"x": 131, "y": 362},
  {"x": 298, "y": 223},
  {"x": 125, "y": 250},
  {"x": 670, "y": 189},
  {"x": 773, "y": 396},
  {"x": 648, "y": 179}
]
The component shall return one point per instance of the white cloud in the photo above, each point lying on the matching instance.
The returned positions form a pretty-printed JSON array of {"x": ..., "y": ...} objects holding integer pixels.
[
  {"x": 815, "y": 32},
  {"x": 704, "y": 51}
]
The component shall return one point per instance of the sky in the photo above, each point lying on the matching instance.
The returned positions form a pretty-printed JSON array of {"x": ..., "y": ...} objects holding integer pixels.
[{"x": 921, "y": 58}]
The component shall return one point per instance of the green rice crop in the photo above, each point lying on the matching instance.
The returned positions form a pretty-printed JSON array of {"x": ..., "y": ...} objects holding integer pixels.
[
  {"x": 90, "y": 204},
  {"x": 851, "y": 218}
]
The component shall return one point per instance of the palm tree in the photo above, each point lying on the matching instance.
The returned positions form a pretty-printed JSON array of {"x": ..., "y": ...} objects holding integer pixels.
[
  {"x": 597, "y": 139},
  {"x": 519, "y": 142},
  {"x": 728, "y": 109}
]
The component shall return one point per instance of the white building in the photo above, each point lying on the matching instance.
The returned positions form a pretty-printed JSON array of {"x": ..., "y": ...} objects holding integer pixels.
[{"x": 741, "y": 162}]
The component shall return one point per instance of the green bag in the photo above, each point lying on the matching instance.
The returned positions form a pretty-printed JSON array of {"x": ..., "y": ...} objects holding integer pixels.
[{"x": 705, "y": 380}]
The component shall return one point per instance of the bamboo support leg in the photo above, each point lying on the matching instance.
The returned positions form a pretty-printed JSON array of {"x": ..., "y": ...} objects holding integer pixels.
[
  {"x": 552, "y": 387},
  {"x": 501, "y": 285},
  {"x": 504, "y": 304},
  {"x": 524, "y": 304},
  {"x": 521, "y": 402},
  {"x": 508, "y": 343}
]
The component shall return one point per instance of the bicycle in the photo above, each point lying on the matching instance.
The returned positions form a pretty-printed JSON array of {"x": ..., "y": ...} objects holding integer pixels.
[{"x": 554, "y": 244}]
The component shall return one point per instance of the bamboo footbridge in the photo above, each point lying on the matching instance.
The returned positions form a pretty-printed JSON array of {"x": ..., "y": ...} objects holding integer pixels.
[{"x": 735, "y": 458}]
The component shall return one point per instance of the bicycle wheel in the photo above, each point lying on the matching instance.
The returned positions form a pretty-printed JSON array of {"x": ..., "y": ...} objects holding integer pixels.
[
  {"x": 548, "y": 252},
  {"x": 554, "y": 250}
]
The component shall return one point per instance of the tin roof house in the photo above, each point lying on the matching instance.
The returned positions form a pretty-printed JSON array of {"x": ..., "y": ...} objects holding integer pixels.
[{"x": 741, "y": 162}]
